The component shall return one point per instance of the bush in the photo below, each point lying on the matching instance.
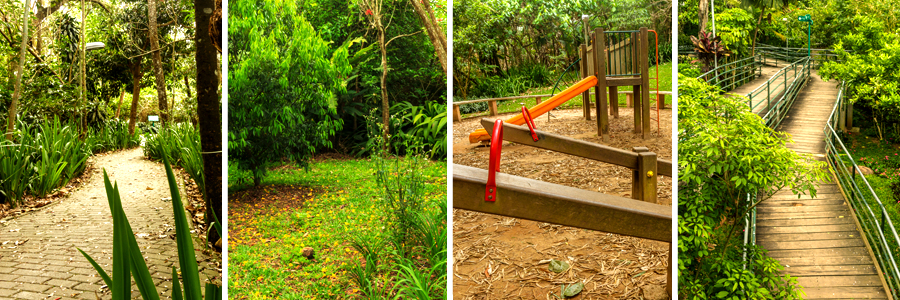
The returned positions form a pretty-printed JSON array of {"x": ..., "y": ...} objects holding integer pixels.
[
  {"x": 476, "y": 107},
  {"x": 61, "y": 156},
  {"x": 112, "y": 135},
  {"x": 179, "y": 143},
  {"x": 282, "y": 91},
  {"x": 717, "y": 172}
]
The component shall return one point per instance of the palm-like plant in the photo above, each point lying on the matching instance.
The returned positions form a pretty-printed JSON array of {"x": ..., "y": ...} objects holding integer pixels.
[{"x": 708, "y": 48}]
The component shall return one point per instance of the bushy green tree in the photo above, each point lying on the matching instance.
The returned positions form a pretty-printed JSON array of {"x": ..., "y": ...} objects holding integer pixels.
[
  {"x": 725, "y": 154},
  {"x": 869, "y": 69},
  {"x": 282, "y": 85}
]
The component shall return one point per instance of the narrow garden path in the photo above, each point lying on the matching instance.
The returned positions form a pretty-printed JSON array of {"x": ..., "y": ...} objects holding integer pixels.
[
  {"x": 817, "y": 240},
  {"x": 38, "y": 255}
]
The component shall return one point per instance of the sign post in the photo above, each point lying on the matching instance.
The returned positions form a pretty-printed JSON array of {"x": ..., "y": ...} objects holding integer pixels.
[{"x": 808, "y": 19}]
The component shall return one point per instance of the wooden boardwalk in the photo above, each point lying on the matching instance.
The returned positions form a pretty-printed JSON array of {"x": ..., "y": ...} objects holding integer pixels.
[{"x": 817, "y": 240}]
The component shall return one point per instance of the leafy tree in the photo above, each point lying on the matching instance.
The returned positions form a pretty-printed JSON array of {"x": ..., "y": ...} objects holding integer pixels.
[
  {"x": 869, "y": 69},
  {"x": 725, "y": 154},
  {"x": 282, "y": 86}
]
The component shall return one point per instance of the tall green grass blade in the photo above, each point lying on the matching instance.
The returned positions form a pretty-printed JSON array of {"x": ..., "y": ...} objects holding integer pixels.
[
  {"x": 121, "y": 288},
  {"x": 106, "y": 279},
  {"x": 213, "y": 291},
  {"x": 176, "y": 286},
  {"x": 186, "y": 257}
]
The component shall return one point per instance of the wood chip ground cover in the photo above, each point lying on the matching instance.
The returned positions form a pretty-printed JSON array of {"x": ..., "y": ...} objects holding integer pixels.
[{"x": 498, "y": 257}]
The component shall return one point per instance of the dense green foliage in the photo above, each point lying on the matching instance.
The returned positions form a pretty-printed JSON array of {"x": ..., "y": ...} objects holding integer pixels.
[
  {"x": 720, "y": 180},
  {"x": 45, "y": 157},
  {"x": 180, "y": 144},
  {"x": 503, "y": 47},
  {"x": 869, "y": 70},
  {"x": 283, "y": 84}
]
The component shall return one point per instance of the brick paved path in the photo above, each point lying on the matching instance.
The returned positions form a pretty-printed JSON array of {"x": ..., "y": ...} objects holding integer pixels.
[{"x": 48, "y": 266}]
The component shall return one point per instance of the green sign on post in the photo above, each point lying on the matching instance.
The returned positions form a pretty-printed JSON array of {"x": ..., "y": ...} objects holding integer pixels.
[{"x": 808, "y": 19}]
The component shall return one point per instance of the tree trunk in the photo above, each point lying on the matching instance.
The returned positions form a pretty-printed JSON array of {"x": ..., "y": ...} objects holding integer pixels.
[
  {"x": 157, "y": 65},
  {"x": 119, "y": 108},
  {"x": 385, "y": 106},
  {"x": 17, "y": 89},
  {"x": 703, "y": 11},
  {"x": 135, "y": 93},
  {"x": 762, "y": 11},
  {"x": 209, "y": 112},
  {"x": 187, "y": 87},
  {"x": 435, "y": 34}
]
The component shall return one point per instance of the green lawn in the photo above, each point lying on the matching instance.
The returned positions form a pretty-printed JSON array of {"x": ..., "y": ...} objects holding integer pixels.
[
  {"x": 665, "y": 83},
  {"x": 884, "y": 159},
  {"x": 324, "y": 208}
]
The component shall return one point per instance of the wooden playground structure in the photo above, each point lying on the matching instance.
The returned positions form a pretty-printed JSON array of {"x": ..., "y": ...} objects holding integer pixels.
[{"x": 623, "y": 63}]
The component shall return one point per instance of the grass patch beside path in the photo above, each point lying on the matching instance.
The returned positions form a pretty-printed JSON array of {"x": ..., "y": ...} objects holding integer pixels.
[
  {"x": 884, "y": 160},
  {"x": 508, "y": 106},
  {"x": 270, "y": 225}
]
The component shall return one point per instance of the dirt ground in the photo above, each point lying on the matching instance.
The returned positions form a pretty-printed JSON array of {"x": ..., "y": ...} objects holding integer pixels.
[{"x": 497, "y": 257}]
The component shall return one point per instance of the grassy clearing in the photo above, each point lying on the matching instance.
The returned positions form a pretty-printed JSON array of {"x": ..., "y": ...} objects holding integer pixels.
[
  {"x": 508, "y": 106},
  {"x": 884, "y": 159},
  {"x": 329, "y": 208}
]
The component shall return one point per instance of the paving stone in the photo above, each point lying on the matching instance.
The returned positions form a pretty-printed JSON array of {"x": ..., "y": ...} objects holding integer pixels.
[{"x": 49, "y": 262}]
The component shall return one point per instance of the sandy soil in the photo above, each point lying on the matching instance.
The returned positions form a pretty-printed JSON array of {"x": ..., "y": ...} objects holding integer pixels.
[{"x": 497, "y": 257}]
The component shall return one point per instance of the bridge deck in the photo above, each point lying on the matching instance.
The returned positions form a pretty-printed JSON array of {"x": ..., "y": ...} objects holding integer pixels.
[{"x": 817, "y": 240}]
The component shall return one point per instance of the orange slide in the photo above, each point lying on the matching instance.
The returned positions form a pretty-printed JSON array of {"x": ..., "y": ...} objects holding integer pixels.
[{"x": 540, "y": 109}]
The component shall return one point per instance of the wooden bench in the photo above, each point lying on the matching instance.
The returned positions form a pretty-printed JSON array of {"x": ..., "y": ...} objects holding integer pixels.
[{"x": 492, "y": 102}]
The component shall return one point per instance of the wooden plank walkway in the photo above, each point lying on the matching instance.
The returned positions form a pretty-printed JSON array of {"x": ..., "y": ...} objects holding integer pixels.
[{"x": 817, "y": 240}]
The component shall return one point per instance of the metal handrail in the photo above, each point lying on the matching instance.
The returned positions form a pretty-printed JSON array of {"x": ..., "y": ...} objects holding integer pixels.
[
  {"x": 776, "y": 112},
  {"x": 731, "y": 75},
  {"x": 862, "y": 198}
]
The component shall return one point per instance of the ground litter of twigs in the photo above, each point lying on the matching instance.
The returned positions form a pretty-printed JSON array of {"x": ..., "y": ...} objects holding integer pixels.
[{"x": 498, "y": 257}]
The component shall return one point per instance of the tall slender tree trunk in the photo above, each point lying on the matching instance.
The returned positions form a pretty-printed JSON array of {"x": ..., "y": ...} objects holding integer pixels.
[
  {"x": 17, "y": 89},
  {"x": 435, "y": 33},
  {"x": 119, "y": 107},
  {"x": 703, "y": 12},
  {"x": 157, "y": 64},
  {"x": 762, "y": 11},
  {"x": 385, "y": 105},
  {"x": 135, "y": 93},
  {"x": 209, "y": 111}
]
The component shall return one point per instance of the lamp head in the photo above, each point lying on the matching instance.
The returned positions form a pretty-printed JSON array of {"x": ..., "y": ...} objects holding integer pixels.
[{"x": 94, "y": 46}]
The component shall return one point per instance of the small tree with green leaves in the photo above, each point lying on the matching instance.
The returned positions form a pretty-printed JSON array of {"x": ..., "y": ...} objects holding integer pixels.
[
  {"x": 725, "y": 154},
  {"x": 282, "y": 82}
]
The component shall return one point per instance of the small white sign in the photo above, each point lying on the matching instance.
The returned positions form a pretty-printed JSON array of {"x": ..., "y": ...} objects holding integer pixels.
[{"x": 153, "y": 118}]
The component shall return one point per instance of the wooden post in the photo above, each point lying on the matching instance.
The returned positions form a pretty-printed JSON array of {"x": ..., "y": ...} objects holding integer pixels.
[
  {"x": 614, "y": 101},
  {"x": 643, "y": 185},
  {"x": 636, "y": 104},
  {"x": 537, "y": 100},
  {"x": 600, "y": 88},
  {"x": 456, "y": 115},
  {"x": 850, "y": 116},
  {"x": 661, "y": 101},
  {"x": 493, "y": 106},
  {"x": 669, "y": 272},
  {"x": 645, "y": 79},
  {"x": 585, "y": 101},
  {"x": 842, "y": 115},
  {"x": 629, "y": 99}
]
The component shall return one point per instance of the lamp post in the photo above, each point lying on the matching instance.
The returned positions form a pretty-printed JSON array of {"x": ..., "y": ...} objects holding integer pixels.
[{"x": 808, "y": 19}]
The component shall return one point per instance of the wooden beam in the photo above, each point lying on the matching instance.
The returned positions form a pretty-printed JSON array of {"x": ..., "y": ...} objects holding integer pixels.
[
  {"x": 530, "y": 199},
  {"x": 643, "y": 184},
  {"x": 567, "y": 145},
  {"x": 585, "y": 99}
]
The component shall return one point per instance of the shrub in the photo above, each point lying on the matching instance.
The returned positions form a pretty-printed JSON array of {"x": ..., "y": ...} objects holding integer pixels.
[
  {"x": 717, "y": 172},
  {"x": 179, "y": 143},
  {"x": 282, "y": 89}
]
